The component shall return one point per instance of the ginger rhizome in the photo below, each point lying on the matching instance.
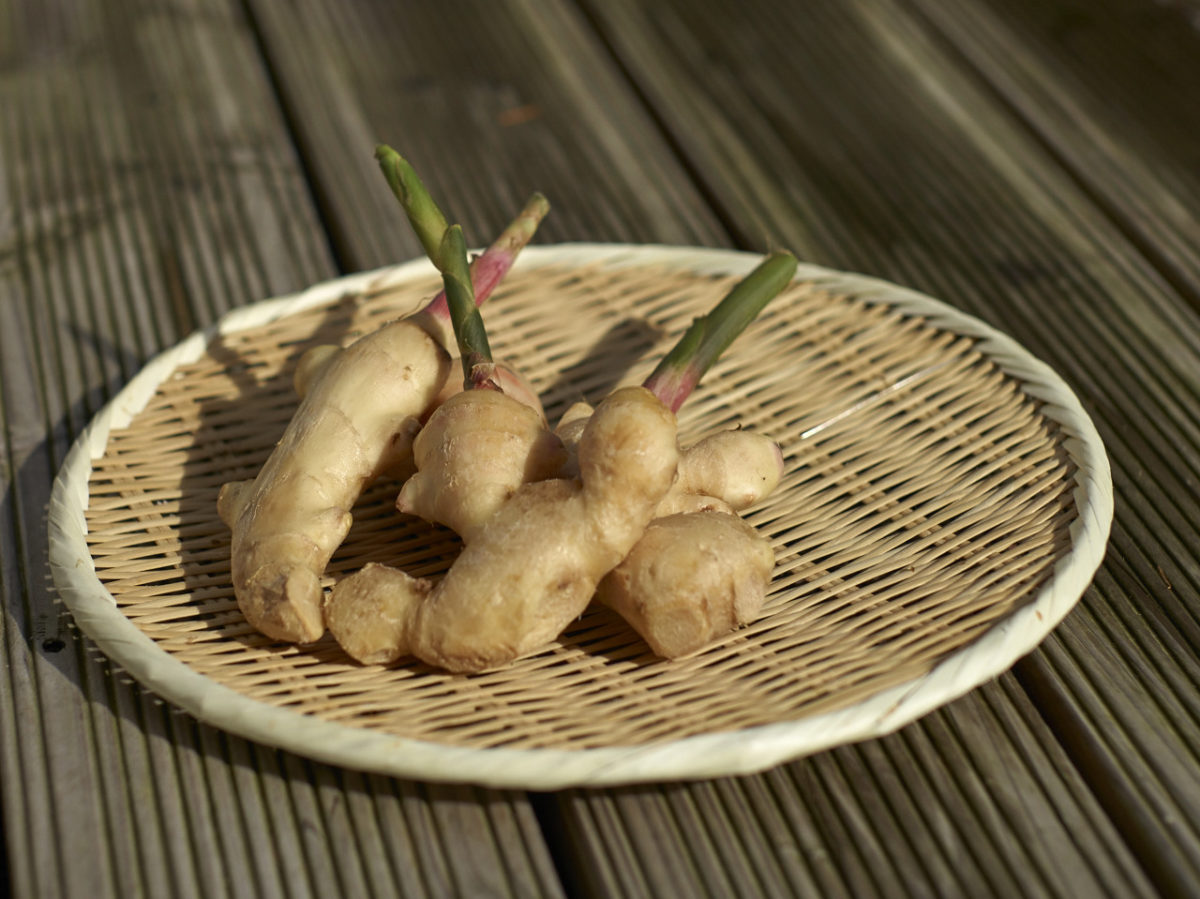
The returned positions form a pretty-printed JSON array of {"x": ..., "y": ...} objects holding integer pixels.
[
  {"x": 607, "y": 506},
  {"x": 357, "y": 417},
  {"x": 475, "y": 448},
  {"x": 534, "y": 567},
  {"x": 700, "y": 571},
  {"x": 478, "y": 447},
  {"x": 482, "y": 443},
  {"x": 475, "y": 451},
  {"x": 740, "y": 468},
  {"x": 692, "y": 577},
  {"x": 290, "y": 519}
]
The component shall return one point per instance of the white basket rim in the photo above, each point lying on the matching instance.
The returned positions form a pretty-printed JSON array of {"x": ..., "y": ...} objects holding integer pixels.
[{"x": 703, "y": 756}]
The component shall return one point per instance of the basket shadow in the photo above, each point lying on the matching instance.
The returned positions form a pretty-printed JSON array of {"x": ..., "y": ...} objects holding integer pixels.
[{"x": 602, "y": 367}]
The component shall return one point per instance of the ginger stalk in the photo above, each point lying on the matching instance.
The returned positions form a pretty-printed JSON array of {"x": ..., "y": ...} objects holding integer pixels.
[
  {"x": 356, "y": 419},
  {"x": 680, "y": 371},
  {"x": 487, "y": 269},
  {"x": 533, "y": 569},
  {"x": 737, "y": 467},
  {"x": 481, "y": 444},
  {"x": 699, "y": 571},
  {"x": 469, "y": 332}
]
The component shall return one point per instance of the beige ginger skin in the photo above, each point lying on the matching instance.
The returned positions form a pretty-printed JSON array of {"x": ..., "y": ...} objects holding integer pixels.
[
  {"x": 356, "y": 420},
  {"x": 697, "y": 573},
  {"x": 535, "y": 567},
  {"x": 738, "y": 467},
  {"x": 403, "y": 465},
  {"x": 478, "y": 447},
  {"x": 694, "y": 575}
]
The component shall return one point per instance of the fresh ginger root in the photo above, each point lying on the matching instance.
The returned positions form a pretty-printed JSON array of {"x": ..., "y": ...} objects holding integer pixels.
[
  {"x": 737, "y": 467},
  {"x": 290, "y": 519},
  {"x": 477, "y": 448},
  {"x": 360, "y": 410},
  {"x": 534, "y": 567},
  {"x": 699, "y": 571},
  {"x": 533, "y": 557},
  {"x": 692, "y": 577},
  {"x": 475, "y": 451},
  {"x": 403, "y": 465}
]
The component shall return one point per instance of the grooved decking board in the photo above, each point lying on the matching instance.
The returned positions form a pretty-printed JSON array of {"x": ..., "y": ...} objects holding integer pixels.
[
  {"x": 1110, "y": 87},
  {"x": 489, "y": 103},
  {"x": 893, "y": 155},
  {"x": 931, "y": 810},
  {"x": 148, "y": 184},
  {"x": 898, "y": 160}
]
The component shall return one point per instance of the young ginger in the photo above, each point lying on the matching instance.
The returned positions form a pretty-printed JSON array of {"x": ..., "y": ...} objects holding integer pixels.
[
  {"x": 403, "y": 465},
  {"x": 475, "y": 451},
  {"x": 693, "y": 576},
  {"x": 542, "y": 554},
  {"x": 699, "y": 571},
  {"x": 737, "y": 467},
  {"x": 477, "y": 448},
  {"x": 359, "y": 412},
  {"x": 290, "y": 519},
  {"x": 534, "y": 568}
]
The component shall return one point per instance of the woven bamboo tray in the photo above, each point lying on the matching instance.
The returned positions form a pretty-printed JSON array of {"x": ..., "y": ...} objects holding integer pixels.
[{"x": 945, "y": 503}]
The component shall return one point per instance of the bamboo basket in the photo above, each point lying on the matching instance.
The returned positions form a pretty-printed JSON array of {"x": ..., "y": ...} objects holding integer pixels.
[{"x": 945, "y": 503}]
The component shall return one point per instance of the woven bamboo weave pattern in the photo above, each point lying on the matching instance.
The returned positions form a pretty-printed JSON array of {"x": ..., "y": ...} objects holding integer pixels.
[{"x": 924, "y": 498}]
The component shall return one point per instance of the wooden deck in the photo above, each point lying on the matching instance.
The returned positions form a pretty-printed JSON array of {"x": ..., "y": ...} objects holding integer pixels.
[{"x": 1036, "y": 164}]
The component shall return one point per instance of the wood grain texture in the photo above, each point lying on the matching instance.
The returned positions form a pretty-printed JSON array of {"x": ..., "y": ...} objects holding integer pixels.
[
  {"x": 489, "y": 105},
  {"x": 1109, "y": 89},
  {"x": 161, "y": 163},
  {"x": 896, "y": 159},
  {"x": 946, "y": 807},
  {"x": 148, "y": 184}
]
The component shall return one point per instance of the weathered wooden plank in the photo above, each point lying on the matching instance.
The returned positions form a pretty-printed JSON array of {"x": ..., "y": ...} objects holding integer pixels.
[
  {"x": 944, "y": 808},
  {"x": 676, "y": 844},
  {"x": 510, "y": 98},
  {"x": 148, "y": 183},
  {"x": 1139, "y": 752},
  {"x": 1109, "y": 87},
  {"x": 893, "y": 158}
]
